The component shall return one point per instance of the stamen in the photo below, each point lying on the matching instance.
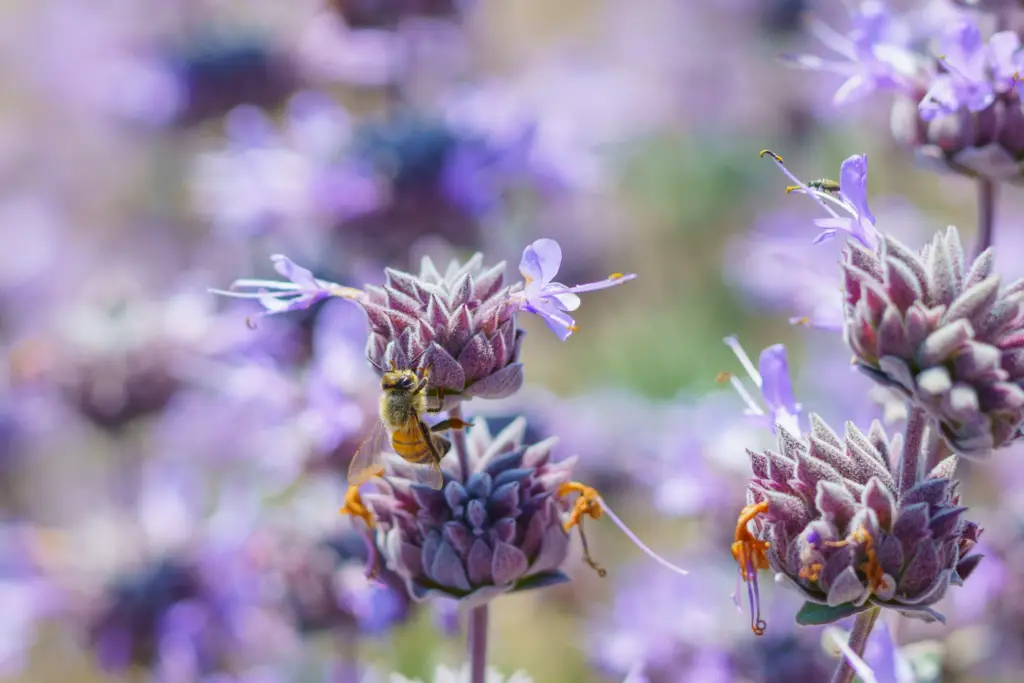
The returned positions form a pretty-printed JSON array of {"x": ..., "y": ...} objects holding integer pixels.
[
  {"x": 590, "y": 504},
  {"x": 355, "y": 507},
  {"x": 799, "y": 183},
  {"x": 734, "y": 344},
  {"x": 749, "y": 553},
  {"x": 871, "y": 568}
]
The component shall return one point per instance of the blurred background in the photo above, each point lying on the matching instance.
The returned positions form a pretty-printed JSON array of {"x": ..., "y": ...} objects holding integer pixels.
[{"x": 170, "y": 477}]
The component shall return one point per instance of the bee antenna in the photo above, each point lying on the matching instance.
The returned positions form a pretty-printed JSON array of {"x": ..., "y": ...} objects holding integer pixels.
[{"x": 375, "y": 364}]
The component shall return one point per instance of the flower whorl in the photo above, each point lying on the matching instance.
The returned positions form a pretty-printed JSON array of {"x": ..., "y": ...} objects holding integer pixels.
[
  {"x": 492, "y": 530},
  {"x": 460, "y": 325},
  {"x": 844, "y": 536},
  {"x": 941, "y": 332}
]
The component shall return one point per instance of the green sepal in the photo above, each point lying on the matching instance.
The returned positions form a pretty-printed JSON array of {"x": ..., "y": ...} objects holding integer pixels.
[{"x": 813, "y": 614}]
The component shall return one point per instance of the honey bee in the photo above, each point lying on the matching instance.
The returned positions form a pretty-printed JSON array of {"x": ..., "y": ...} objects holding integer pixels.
[{"x": 402, "y": 404}]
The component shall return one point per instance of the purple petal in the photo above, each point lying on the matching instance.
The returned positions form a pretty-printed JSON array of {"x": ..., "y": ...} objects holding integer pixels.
[
  {"x": 776, "y": 387},
  {"x": 541, "y": 261},
  {"x": 853, "y": 183},
  {"x": 294, "y": 272}
]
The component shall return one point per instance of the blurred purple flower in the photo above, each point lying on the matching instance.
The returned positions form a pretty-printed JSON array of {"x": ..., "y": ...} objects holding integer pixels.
[
  {"x": 552, "y": 300},
  {"x": 293, "y": 179},
  {"x": 444, "y": 674},
  {"x": 709, "y": 645},
  {"x": 882, "y": 662},
  {"x": 876, "y": 53},
  {"x": 771, "y": 377},
  {"x": 849, "y": 194},
  {"x": 975, "y": 71}
]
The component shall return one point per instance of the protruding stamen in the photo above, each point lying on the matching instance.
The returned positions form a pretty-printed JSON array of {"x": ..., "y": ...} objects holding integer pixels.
[
  {"x": 590, "y": 504},
  {"x": 870, "y": 567},
  {"x": 749, "y": 553},
  {"x": 355, "y": 507}
]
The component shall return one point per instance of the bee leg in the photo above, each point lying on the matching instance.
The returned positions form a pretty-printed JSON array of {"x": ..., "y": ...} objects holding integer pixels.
[
  {"x": 441, "y": 445},
  {"x": 451, "y": 423}
]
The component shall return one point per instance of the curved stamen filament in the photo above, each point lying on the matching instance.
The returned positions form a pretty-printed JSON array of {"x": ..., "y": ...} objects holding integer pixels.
[
  {"x": 749, "y": 552},
  {"x": 590, "y": 504}
]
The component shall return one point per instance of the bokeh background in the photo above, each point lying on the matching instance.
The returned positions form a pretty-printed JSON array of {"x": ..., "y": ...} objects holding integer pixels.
[{"x": 170, "y": 476}]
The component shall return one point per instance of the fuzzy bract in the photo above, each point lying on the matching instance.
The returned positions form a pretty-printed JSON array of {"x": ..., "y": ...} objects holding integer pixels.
[
  {"x": 840, "y": 534},
  {"x": 942, "y": 332},
  {"x": 494, "y": 529}
]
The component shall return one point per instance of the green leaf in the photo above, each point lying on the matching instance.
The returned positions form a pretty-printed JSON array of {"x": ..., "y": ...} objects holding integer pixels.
[{"x": 813, "y": 614}]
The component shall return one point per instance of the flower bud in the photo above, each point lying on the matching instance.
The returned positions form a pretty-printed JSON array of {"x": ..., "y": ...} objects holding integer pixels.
[{"x": 941, "y": 332}]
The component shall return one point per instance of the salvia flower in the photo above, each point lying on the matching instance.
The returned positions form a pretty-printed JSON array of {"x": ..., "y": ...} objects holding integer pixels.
[
  {"x": 967, "y": 115},
  {"x": 874, "y": 55},
  {"x": 825, "y": 513},
  {"x": 940, "y": 331},
  {"x": 771, "y": 377},
  {"x": 494, "y": 529},
  {"x": 849, "y": 195},
  {"x": 975, "y": 70},
  {"x": 553, "y": 301},
  {"x": 460, "y": 324},
  {"x": 301, "y": 291}
]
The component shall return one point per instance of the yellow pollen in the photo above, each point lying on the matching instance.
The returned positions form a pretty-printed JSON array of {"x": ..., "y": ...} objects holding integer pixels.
[
  {"x": 616, "y": 276},
  {"x": 354, "y": 506},
  {"x": 723, "y": 377},
  {"x": 749, "y": 553},
  {"x": 588, "y": 504},
  {"x": 871, "y": 568},
  {"x": 805, "y": 320},
  {"x": 573, "y": 328},
  {"x": 792, "y": 188},
  {"x": 811, "y": 572},
  {"x": 767, "y": 152}
]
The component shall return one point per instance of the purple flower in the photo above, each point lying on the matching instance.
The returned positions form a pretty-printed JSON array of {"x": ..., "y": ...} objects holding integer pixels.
[
  {"x": 502, "y": 526},
  {"x": 291, "y": 178},
  {"x": 882, "y": 662},
  {"x": 771, "y": 377},
  {"x": 941, "y": 331},
  {"x": 875, "y": 53},
  {"x": 494, "y": 529},
  {"x": 849, "y": 194},
  {"x": 975, "y": 71},
  {"x": 552, "y": 301},
  {"x": 300, "y": 292},
  {"x": 829, "y": 518}
]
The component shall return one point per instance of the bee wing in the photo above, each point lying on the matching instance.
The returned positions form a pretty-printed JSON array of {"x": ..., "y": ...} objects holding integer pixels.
[
  {"x": 429, "y": 475},
  {"x": 365, "y": 463}
]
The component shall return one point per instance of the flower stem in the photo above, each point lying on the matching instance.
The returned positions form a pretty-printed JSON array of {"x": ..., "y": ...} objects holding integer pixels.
[
  {"x": 913, "y": 440},
  {"x": 858, "y": 639},
  {"x": 986, "y": 215},
  {"x": 459, "y": 441},
  {"x": 477, "y": 644}
]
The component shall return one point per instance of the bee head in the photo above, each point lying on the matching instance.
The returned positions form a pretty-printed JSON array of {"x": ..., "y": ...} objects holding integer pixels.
[{"x": 401, "y": 380}]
